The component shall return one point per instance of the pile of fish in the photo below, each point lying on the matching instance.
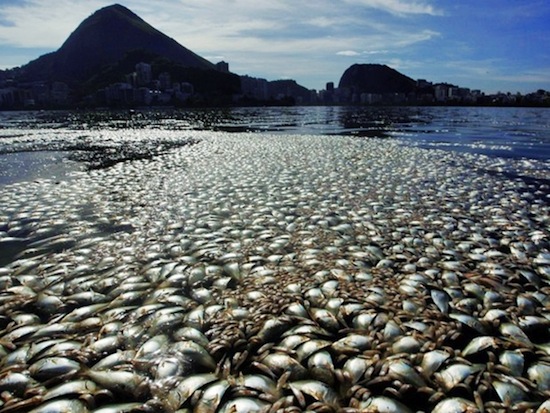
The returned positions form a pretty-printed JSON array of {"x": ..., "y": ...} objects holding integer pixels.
[{"x": 278, "y": 273}]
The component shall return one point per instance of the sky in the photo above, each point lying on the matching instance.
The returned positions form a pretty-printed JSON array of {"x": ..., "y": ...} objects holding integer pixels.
[{"x": 491, "y": 45}]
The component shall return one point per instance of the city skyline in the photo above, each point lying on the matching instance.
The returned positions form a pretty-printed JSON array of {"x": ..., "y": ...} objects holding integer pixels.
[{"x": 491, "y": 45}]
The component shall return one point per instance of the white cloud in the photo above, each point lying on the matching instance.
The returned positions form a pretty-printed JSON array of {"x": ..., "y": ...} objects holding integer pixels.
[
  {"x": 353, "y": 53},
  {"x": 349, "y": 53},
  {"x": 371, "y": 52},
  {"x": 400, "y": 7},
  {"x": 538, "y": 76},
  {"x": 323, "y": 21},
  {"x": 37, "y": 23}
]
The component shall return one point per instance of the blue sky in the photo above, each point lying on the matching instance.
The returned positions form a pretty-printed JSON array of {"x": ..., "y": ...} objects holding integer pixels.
[{"x": 492, "y": 45}]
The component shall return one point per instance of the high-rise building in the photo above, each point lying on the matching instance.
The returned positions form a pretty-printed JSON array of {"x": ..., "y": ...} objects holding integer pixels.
[
  {"x": 143, "y": 73},
  {"x": 165, "y": 81},
  {"x": 222, "y": 67}
]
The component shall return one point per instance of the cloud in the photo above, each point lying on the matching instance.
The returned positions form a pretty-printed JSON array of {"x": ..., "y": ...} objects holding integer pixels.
[
  {"x": 400, "y": 7},
  {"x": 370, "y": 52},
  {"x": 41, "y": 24},
  {"x": 537, "y": 76},
  {"x": 323, "y": 21},
  {"x": 350, "y": 53},
  {"x": 353, "y": 53}
]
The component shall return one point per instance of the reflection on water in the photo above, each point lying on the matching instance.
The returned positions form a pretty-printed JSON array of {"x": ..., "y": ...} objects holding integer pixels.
[
  {"x": 43, "y": 139},
  {"x": 512, "y": 132},
  {"x": 27, "y": 166}
]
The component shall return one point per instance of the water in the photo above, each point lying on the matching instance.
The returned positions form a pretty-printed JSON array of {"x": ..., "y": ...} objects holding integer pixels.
[{"x": 53, "y": 144}]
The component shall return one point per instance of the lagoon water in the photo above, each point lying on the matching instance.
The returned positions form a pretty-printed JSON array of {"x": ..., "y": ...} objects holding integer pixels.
[
  {"x": 43, "y": 141},
  {"x": 248, "y": 259}
]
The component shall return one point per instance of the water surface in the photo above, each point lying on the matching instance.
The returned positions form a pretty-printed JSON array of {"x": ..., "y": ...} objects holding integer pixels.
[{"x": 47, "y": 142}]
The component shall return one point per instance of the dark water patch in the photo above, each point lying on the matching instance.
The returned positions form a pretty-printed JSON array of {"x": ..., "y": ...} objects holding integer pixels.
[
  {"x": 10, "y": 248},
  {"x": 243, "y": 128},
  {"x": 25, "y": 243},
  {"x": 101, "y": 157},
  {"x": 108, "y": 229},
  {"x": 32, "y": 165},
  {"x": 362, "y": 133}
]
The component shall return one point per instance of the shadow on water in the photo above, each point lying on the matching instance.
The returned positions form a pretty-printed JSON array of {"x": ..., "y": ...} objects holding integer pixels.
[
  {"x": 538, "y": 188},
  {"x": 11, "y": 248},
  {"x": 23, "y": 243}
]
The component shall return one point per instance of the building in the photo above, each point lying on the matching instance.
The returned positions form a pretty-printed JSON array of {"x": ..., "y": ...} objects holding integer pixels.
[
  {"x": 119, "y": 94},
  {"x": 60, "y": 93},
  {"x": 222, "y": 67},
  {"x": 423, "y": 83},
  {"x": 144, "y": 74},
  {"x": 441, "y": 92},
  {"x": 255, "y": 88},
  {"x": 8, "y": 97},
  {"x": 165, "y": 81}
]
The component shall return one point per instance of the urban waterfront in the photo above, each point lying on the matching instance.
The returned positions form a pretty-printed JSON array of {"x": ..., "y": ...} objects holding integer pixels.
[{"x": 275, "y": 259}]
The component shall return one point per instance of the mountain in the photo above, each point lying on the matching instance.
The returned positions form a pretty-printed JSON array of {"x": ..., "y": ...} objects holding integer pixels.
[
  {"x": 103, "y": 39},
  {"x": 288, "y": 87},
  {"x": 375, "y": 78}
]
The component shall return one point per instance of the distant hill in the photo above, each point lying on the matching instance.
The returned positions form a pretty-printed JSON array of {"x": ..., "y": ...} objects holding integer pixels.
[
  {"x": 104, "y": 39},
  {"x": 288, "y": 87},
  {"x": 376, "y": 78}
]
